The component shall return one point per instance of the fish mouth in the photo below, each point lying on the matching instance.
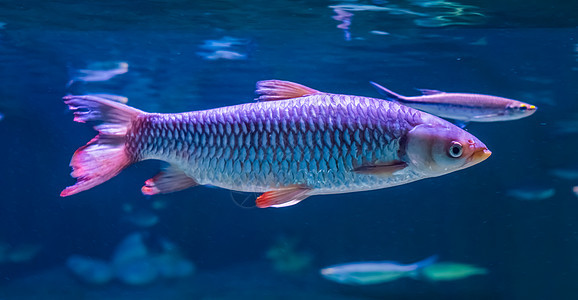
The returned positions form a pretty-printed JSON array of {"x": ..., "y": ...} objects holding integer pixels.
[{"x": 480, "y": 155}]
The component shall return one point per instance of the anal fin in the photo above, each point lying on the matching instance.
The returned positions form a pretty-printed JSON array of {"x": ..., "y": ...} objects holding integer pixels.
[
  {"x": 383, "y": 169},
  {"x": 286, "y": 196},
  {"x": 172, "y": 179},
  {"x": 272, "y": 90}
]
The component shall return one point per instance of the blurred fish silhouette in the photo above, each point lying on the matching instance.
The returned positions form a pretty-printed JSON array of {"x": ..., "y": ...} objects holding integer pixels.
[
  {"x": 568, "y": 172},
  {"x": 18, "y": 253},
  {"x": 364, "y": 273},
  {"x": 223, "y": 43},
  {"x": 228, "y": 48},
  {"x": 223, "y": 54},
  {"x": 531, "y": 193},
  {"x": 101, "y": 71}
]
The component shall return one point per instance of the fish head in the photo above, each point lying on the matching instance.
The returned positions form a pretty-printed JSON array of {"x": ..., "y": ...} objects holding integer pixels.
[
  {"x": 437, "y": 149},
  {"x": 517, "y": 110}
]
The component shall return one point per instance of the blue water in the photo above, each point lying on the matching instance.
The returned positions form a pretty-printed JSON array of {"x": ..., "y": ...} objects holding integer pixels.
[{"x": 187, "y": 55}]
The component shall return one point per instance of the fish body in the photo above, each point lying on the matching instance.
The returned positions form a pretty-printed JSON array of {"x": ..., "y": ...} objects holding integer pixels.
[
  {"x": 365, "y": 273},
  {"x": 463, "y": 107},
  {"x": 255, "y": 147},
  {"x": 296, "y": 142}
]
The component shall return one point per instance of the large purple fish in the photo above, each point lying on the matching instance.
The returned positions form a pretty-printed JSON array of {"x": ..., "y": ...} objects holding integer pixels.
[{"x": 294, "y": 143}]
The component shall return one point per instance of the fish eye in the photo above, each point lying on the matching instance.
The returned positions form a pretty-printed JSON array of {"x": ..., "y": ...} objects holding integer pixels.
[
  {"x": 455, "y": 150},
  {"x": 523, "y": 107}
]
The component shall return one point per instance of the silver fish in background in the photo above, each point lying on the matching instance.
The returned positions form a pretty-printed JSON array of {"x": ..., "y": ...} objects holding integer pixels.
[
  {"x": 463, "y": 107},
  {"x": 294, "y": 143},
  {"x": 531, "y": 193},
  {"x": 99, "y": 71},
  {"x": 365, "y": 273},
  {"x": 567, "y": 172}
]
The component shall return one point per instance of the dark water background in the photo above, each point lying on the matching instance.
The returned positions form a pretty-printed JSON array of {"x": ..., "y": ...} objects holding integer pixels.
[{"x": 525, "y": 50}]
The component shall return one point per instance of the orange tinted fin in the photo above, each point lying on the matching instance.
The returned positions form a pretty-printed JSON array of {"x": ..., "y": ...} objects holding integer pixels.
[
  {"x": 384, "y": 169},
  {"x": 172, "y": 179},
  {"x": 105, "y": 155},
  {"x": 287, "y": 196},
  {"x": 271, "y": 90}
]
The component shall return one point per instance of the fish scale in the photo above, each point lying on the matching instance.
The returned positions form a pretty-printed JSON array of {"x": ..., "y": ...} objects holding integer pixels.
[{"x": 311, "y": 140}]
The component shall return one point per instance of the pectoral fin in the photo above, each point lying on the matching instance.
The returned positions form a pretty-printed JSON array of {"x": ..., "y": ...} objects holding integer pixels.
[
  {"x": 271, "y": 90},
  {"x": 287, "y": 196},
  {"x": 381, "y": 169},
  {"x": 172, "y": 179}
]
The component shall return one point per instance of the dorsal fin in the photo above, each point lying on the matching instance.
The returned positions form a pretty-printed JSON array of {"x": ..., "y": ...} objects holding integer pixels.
[
  {"x": 387, "y": 93},
  {"x": 271, "y": 90},
  {"x": 426, "y": 92}
]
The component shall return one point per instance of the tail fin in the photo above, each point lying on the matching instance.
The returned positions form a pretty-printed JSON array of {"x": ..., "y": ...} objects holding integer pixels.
[
  {"x": 105, "y": 155},
  {"x": 389, "y": 95}
]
